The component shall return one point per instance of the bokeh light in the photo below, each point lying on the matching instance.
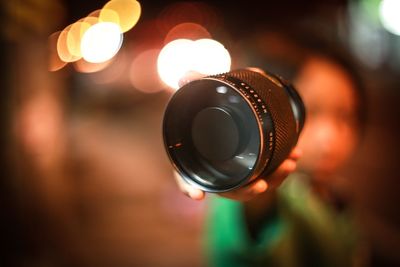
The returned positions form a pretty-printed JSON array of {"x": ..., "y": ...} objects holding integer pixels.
[
  {"x": 74, "y": 37},
  {"x": 55, "y": 62},
  {"x": 210, "y": 57},
  {"x": 143, "y": 72},
  {"x": 187, "y": 30},
  {"x": 101, "y": 42},
  {"x": 62, "y": 46},
  {"x": 109, "y": 15},
  {"x": 174, "y": 61},
  {"x": 125, "y": 13},
  {"x": 96, "y": 38},
  {"x": 389, "y": 11},
  {"x": 182, "y": 57}
]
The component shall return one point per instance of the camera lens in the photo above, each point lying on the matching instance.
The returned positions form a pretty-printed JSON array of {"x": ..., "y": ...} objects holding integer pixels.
[{"x": 223, "y": 131}]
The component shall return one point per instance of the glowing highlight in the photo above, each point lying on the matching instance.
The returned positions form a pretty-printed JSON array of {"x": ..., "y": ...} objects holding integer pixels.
[
  {"x": 389, "y": 15},
  {"x": 183, "y": 57},
  {"x": 125, "y": 13},
  {"x": 101, "y": 42}
]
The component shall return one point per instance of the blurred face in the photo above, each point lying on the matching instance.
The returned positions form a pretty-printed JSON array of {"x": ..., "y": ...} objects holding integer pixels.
[{"x": 329, "y": 135}]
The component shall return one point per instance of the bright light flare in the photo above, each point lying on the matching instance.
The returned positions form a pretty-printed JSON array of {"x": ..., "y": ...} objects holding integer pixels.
[
  {"x": 210, "y": 57},
  {"x": 101, "y": 42},
  {"x": 125, "y": 13},
  {"x": 182, "y": 57},
  {"x": 174, "y": 61},
  {"x": 389, "y": 12}
]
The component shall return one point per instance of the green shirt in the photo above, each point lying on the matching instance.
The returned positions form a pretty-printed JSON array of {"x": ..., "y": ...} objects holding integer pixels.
[{"x": 304, "y": 231}]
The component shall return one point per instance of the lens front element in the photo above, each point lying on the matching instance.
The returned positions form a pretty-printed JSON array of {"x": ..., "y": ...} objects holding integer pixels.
[{"x": 213, "y": 136}]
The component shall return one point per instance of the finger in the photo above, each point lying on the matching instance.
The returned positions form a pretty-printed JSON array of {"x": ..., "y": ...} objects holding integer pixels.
[
  {"x": 296, "y": 153},
  {"x": 187, "y": 189},
  {"x": 190, "y": 191},
  {"x": 196, "y": 194},
  {"x": 247, "y": 192},
  {"x": 284, "y": 169},
  {"x": 277, "y": 177}
]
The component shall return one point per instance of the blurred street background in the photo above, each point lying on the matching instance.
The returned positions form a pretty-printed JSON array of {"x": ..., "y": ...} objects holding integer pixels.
[{"x": 85, "y": 178}]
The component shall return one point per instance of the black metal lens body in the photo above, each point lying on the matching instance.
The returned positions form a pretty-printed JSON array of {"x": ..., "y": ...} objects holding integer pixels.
[{"x": 223, "y": 131}]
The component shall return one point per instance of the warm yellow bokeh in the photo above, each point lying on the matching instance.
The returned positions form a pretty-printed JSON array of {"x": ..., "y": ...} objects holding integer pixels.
[
  {"x": 55, "y": 63},
  {"x": 109, "y": 15},
  {"x": 62, "y": 46},
  {"x": 74, "y": 37},
  {"x": 125, "y": 13},
  {"x": 97, "y": 37}
]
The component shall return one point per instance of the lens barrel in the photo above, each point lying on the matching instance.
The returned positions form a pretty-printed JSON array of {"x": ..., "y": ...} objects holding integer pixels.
[{"x": 223, "y": 131}]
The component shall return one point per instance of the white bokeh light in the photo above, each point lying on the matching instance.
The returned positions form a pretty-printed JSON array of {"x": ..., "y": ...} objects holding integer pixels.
[
  {"x": 174, "y": 61},
  {"x": 210, "y": 57},
  {"x": 101, "y": 42},
  {"x": 389, "y": 12},
  {"x": 182, "y": 57}
]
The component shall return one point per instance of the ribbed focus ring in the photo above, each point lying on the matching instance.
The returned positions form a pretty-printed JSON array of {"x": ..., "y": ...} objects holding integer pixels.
[{"x": 272, "y": 92}]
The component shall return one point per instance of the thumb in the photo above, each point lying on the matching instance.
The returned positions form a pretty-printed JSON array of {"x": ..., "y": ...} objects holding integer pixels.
[{"x": 187, "y": 189}]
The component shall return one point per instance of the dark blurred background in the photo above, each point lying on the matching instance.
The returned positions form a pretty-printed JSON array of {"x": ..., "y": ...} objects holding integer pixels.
[{"x": 85, "y": 180}]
